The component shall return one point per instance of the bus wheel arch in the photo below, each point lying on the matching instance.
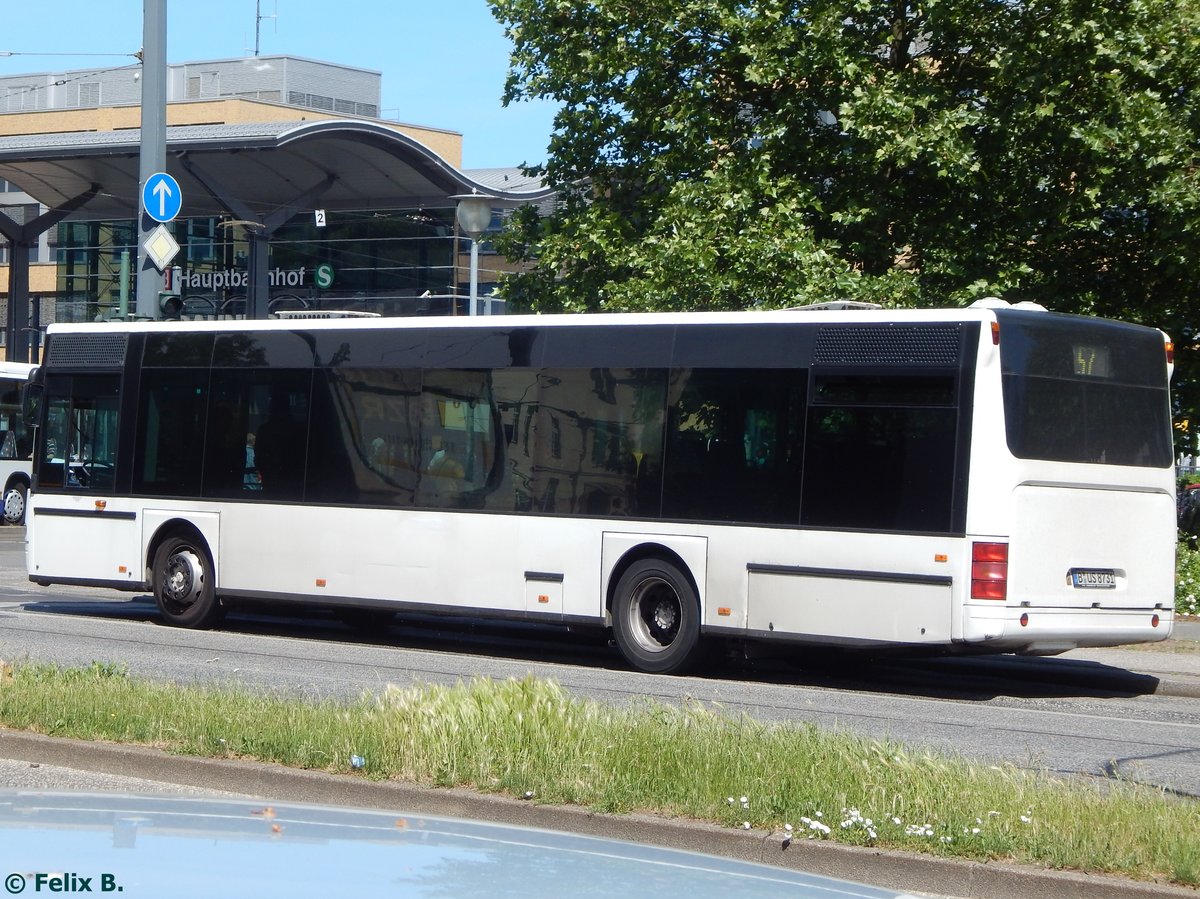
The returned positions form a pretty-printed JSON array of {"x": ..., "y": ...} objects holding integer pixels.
[
  {"x": 654, "y": 606},
  {"x": 183, "y": 577},
  {"x": 15, "y": 500}
]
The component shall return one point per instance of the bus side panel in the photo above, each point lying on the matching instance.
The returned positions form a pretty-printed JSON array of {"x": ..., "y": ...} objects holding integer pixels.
[
  {"x": 70, "y": 541},
  {"x": 424, "y": 558},
  {"x": 849, "y": 608},
  {"x": 834, "y": 587}
]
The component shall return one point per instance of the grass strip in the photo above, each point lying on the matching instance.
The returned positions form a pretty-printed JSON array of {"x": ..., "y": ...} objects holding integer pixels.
[{"x": 530, "y": 737}]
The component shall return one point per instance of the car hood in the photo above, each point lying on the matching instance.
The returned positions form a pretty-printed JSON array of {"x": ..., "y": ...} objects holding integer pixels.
[{"x": 155, "y": 846}]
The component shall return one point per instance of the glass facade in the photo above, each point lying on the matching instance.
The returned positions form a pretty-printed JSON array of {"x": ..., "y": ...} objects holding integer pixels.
[{"x": 390, "y": 262}]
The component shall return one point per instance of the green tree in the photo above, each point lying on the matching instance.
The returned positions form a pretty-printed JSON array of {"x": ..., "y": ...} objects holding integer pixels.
[{"x": 745, "y": 153}]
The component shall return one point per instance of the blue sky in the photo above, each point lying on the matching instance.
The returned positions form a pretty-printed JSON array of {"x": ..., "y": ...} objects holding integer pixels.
[{"x": 443, "y": 61}]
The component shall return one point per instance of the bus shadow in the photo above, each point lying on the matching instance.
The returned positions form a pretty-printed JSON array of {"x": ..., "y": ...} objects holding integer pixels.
[
  {"x": 976, "y": 678},
  {"x": 127, "y": 608}
]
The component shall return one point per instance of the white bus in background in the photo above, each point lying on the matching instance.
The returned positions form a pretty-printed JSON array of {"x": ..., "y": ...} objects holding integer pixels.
[
  {"x": 16, "y": 443},
  {"x": 989, "y": 479}
]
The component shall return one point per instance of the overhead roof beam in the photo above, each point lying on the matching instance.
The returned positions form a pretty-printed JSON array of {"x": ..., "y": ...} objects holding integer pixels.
[
  {"x": 258, "y": 286},
  {"x": 22, "y": 237}
]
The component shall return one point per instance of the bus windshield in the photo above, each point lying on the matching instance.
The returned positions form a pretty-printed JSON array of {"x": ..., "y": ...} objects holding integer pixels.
[{"x": 1084, "y": 391}]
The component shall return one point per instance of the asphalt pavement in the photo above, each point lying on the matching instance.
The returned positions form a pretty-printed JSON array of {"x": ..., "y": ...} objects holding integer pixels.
[
  {"x": 1175, "y": 664},
  {"x": 30, "y": 762}
]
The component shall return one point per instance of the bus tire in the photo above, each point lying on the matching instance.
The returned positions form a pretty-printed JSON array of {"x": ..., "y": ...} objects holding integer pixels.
[
  {"x": 184, "y": 587},
  {"x": 16, "y": 498},
  {"x": 656, "y": 617}
]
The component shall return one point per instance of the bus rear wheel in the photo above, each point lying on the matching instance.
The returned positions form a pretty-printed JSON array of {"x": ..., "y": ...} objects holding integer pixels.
[
  {"x": 656, "y": 617},
  {"x": 184, "y": 588}
]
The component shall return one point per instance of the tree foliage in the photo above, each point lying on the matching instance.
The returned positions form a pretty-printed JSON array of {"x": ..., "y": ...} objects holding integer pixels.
[{"x": 744, "y": 153}]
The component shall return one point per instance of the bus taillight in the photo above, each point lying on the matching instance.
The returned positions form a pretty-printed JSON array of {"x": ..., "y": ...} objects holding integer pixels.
[
  {"x": 989, "y": 571},
  {"x": 1170, "y": 352}
]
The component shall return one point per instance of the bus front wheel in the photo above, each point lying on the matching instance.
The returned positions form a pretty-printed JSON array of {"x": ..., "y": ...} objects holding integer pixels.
[
  {"x": 184, "y": 589},
  {"x": 656, "y": 617}
]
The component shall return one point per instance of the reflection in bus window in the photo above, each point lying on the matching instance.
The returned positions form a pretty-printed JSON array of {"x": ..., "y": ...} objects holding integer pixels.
[
  {"x": 596, "y": 446},
  {"x": 457, "y": 439},
  {"x": 363, "y": 440}
]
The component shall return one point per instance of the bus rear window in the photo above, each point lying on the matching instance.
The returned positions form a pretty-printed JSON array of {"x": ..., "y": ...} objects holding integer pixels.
[{"x": 1091, "y": 392}]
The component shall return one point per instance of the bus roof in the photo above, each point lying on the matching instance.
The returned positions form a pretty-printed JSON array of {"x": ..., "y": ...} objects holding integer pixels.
[
  {"x": 17, "y": 370},
  {"x": 983, "y": 311}
]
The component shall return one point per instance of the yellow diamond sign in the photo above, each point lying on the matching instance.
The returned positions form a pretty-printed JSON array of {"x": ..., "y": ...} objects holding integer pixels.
[{"x": 161, "y": 247}]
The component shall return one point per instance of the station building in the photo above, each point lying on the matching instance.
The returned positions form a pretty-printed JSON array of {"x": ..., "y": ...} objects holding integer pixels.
[{"x": 289, "y": 176}]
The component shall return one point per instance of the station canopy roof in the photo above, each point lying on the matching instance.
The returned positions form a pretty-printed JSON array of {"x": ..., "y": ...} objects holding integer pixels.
[{"x": 250, "y": 170}]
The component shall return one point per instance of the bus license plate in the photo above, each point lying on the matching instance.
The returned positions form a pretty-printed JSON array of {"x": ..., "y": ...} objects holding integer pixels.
[{"x": 1093, "y": 578}]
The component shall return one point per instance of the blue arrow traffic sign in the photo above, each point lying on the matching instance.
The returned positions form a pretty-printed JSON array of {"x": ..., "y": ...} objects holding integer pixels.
[{"x": 161, "y": 197}]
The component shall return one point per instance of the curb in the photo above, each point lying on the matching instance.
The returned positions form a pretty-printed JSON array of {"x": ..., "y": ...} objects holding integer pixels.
[
  {"x": 1187, "y": 689},
  {"x": 885, "y": 868}
]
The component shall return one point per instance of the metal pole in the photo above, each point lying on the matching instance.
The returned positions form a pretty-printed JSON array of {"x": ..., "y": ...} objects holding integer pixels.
[
  {"x": 474, "y": 275},
  {"x": 123, "y": 308},
  {"x": 153, "y": 143}
]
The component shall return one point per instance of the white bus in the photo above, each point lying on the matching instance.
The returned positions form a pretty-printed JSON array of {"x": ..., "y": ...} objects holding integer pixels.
[
  {"x": 990, "y": 479},
  {"x": 16, "y": 445}
]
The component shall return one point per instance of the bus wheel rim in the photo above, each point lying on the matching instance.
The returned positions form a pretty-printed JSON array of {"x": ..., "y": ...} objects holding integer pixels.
[
  {"x": 655, "y": 611},
  {"x": 14, "y": 505},
  {"x": 184, "y": 579}
]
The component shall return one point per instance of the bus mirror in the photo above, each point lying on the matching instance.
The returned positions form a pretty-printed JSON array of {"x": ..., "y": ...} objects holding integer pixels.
[{"x": 31, "y": 403}]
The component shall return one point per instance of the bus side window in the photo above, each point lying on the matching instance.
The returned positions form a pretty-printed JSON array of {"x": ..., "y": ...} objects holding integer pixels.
[
  {"x": 80, "y": 441},
  {"x": 734, "y": 440},
  {"x": 862, "y": 427},
  {"x": 279, "y": 422},
  {"x": 170, "y": 440}
]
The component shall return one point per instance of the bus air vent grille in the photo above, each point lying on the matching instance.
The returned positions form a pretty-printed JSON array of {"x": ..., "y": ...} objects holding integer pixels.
[
  {"x": 888, "y": 345},
  {"x": 87, "y": 351}
]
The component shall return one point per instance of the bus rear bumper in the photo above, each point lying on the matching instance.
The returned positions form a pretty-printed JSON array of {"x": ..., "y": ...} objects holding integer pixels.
[{"x": 1048, "y": 631}]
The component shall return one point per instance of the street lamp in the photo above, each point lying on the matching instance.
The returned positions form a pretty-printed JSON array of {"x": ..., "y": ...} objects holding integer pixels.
[{"x": 474, "y": 214}]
